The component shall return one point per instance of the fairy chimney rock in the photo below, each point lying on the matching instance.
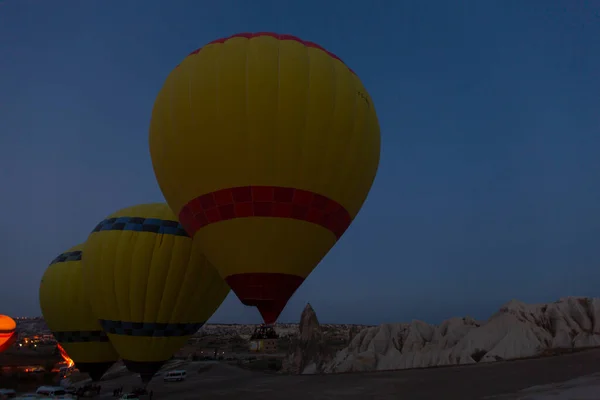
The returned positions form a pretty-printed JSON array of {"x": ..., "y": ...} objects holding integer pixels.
[{"x": 308, "y": 350}]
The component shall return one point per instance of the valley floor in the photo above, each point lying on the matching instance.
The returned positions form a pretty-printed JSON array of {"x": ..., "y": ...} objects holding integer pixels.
[{"x": 223, "y": 381}]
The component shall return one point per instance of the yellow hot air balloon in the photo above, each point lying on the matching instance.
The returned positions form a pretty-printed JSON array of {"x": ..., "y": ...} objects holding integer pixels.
[
  {"x": 266, "y": 146},
  {"x": 150, "y": 284},
  {"x": 66, "y": 309}
]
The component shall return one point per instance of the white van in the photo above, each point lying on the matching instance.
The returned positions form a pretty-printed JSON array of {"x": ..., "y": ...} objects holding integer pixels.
[
  {"x": 175, "y": 375},
  {"x": 55, "y": 392}
]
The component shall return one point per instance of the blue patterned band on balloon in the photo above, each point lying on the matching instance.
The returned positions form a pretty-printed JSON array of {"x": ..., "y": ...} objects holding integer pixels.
[
  {"x": 139, "y": 224},
  {"x": 80, "y": 336},
  {"x": 66, "y": 257},
  {"x": 150, "y": 329}
]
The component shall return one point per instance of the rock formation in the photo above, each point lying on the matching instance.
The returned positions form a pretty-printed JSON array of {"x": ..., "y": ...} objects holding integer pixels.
[
  {"x": 517, "y": 330},
  {"x": 308, "y": 351}
]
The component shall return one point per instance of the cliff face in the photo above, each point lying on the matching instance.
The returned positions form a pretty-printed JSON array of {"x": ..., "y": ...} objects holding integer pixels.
[
  {"x": 517, "y": 330},
  {"x": 308, "y": 352}
]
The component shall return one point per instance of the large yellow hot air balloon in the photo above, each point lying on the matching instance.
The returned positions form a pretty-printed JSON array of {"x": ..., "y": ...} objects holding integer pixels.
[
  {"x": 150, "y": 285},
  {"x": 66, "y": 309},
  {"x": 8, "y": 332},
  {"x": 266, "y": 146}
]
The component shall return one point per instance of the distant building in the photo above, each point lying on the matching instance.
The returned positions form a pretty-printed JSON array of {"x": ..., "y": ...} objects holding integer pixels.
[{"x": 190, "y": 351}]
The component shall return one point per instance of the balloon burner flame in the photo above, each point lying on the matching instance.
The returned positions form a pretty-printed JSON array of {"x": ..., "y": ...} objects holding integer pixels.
[{"x": 65, "y": 356}]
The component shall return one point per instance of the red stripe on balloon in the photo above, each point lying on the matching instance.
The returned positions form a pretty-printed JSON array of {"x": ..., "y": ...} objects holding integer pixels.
[
  {"x": 249, "y": 35},
  {"x": 264, "y": 201},
  {"x": 267, "y": 291}
]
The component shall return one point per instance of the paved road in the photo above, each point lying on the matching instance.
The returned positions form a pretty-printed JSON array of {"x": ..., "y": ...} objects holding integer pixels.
[{"x": 226, "y": 382}]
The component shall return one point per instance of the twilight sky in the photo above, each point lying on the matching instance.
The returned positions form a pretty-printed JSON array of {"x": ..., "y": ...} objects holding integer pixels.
[{"x": 489, "y": 182}]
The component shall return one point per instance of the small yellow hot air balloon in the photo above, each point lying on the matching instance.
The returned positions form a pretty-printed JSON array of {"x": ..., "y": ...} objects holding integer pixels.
[
  {"x": 66, "y": 309},
  {"x": 266, "y": 146},
  {"x": 8, "y": 332},
  {"x": 150, "y": 285}
]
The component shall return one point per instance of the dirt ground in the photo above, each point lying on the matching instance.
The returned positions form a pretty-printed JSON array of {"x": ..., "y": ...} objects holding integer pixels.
[
  {"x": 222, "y": 381},
  {"x": 28, "y": 357}
]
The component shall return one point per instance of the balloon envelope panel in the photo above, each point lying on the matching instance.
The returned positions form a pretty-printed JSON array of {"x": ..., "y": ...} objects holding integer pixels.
[
  {"x": 65, "y": 304},
  {"x": 152, "y": 286},
  {"x": 266, "y": 146}
]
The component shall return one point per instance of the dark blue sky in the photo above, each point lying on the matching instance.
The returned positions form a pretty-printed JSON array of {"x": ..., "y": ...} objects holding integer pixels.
[{"x": 489, "y": 182}]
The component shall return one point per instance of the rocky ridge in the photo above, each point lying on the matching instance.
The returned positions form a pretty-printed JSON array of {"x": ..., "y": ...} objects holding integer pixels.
[{"x": 517, "y": 330}]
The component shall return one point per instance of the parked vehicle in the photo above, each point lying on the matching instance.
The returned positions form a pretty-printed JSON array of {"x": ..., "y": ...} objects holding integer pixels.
[
  {"x": 8, "y": 393},
  {"x": 53, "y": 392},
  {"x": 175, "y": 375}
]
